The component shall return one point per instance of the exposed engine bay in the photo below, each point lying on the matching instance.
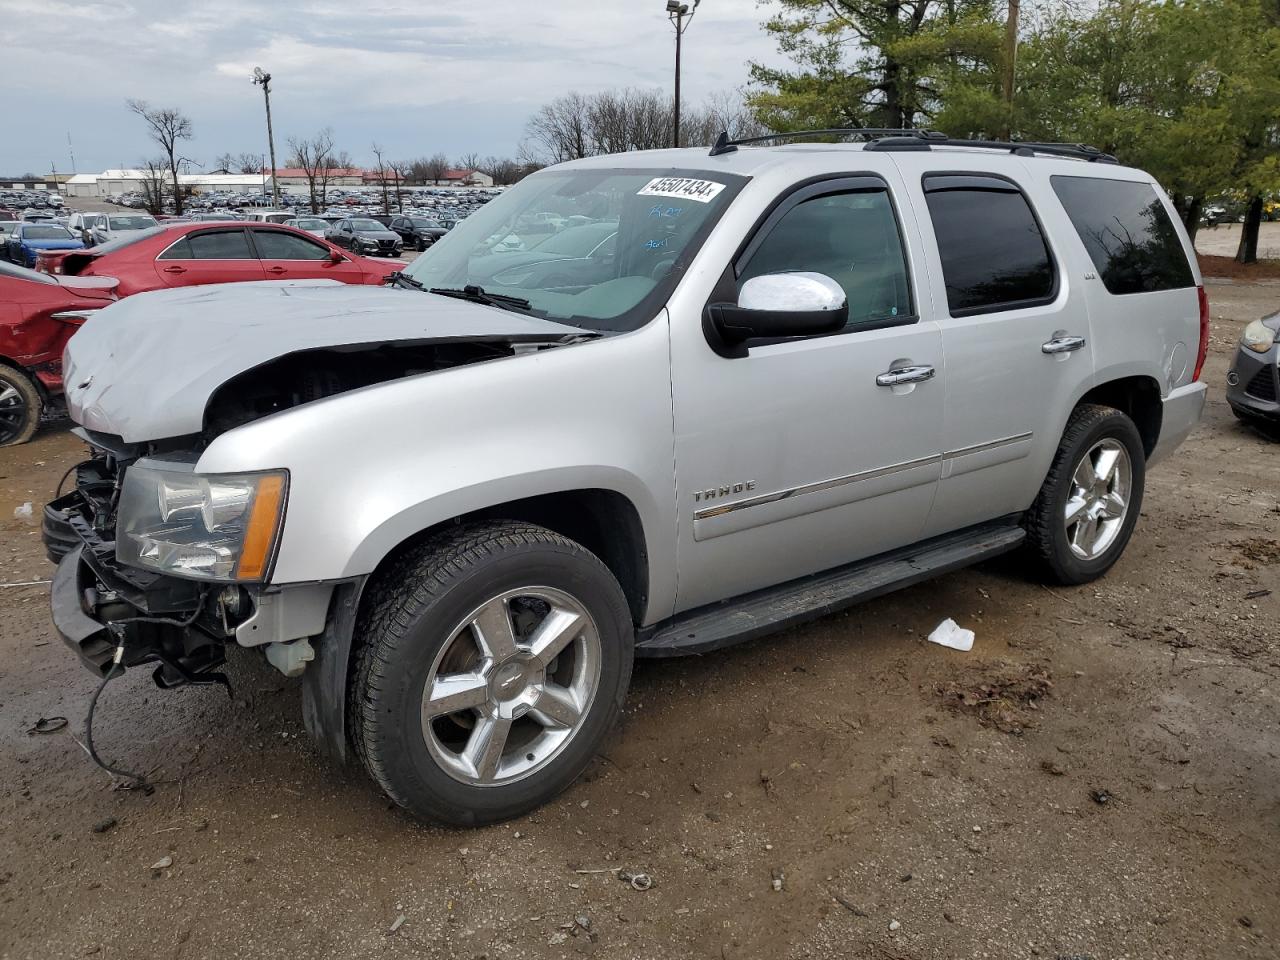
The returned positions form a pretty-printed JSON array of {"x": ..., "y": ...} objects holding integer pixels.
[{"x": 310, "y": 375}]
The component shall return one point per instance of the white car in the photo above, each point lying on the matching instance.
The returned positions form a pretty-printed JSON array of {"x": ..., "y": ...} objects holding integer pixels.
[{"x": 316, "y": 226}]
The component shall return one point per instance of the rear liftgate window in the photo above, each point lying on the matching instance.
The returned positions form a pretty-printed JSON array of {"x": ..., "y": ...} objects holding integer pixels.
[
  {"x": 1128, "y": 234},
  {"x": 994, "y": 255}
]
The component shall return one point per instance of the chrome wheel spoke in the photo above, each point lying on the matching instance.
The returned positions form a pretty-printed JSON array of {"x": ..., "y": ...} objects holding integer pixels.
[
  {"x": 1086, "y": 534},
  {"x": 494, "y": 631},
  {"x": 483, "y": 752},
  {"x": 1112, "y": 506},
  {"x": 555, "y": 708},
  {"x": 454, "y": 692},
  {"x": 1077, "y": 508},
  {"x": 1083, "y": 477},
  {"x": 555, "y": 633},
  {"x": 8, "y": 393},
  {"x": 1105, "y": 468}
]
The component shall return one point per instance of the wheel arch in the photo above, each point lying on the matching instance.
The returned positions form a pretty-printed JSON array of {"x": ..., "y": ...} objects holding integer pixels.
[
  {"x": 605, "y": 521},
  {"x": 1136, "y": 396}
]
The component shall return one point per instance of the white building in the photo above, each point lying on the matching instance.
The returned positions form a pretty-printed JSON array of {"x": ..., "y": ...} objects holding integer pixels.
[{"x": 113, "y": 183}]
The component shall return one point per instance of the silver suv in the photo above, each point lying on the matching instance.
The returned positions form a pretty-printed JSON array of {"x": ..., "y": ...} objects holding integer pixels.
[{"x": 801, "y": 376}]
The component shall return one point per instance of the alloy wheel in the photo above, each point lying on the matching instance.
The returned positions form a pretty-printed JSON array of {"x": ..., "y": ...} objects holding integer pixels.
[
  {"x": 1099, "y": 499},
  {"x": 13, "y": 410},
  {"x": 512, "y": 686}
]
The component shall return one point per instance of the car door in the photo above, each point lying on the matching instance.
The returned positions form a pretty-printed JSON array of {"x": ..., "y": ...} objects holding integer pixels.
[
  {"x": 800, "y": 455},
  {"x": 291, "y": 256},
  {"x": 1015, "y": 330},
  {"x": 209, "y": 256}
]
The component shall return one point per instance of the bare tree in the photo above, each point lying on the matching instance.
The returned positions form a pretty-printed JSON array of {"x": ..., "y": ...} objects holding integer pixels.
[
  {"x": 314, "y": 156},
  {"x": 153, "y": 185},
  {"x": 224, "y": 163},
  {"x": 615, "y": 121},
  {"x": 168, "y": 127},
  {"x": 384, "y": 172},
  {"x": 250, "y": 163},
  {"x": 339, "y": 164},
  {"x": 468, "y": 162}
]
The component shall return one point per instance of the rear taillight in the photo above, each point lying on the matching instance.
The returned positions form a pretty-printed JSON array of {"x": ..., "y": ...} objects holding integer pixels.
[{"x": 1204, "y": 331}]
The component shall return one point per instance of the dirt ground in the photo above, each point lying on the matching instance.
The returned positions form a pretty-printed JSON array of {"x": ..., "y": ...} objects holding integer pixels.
[
  {"x": 1099, "y": 777},
  {"x": 1223, "y": 240}
]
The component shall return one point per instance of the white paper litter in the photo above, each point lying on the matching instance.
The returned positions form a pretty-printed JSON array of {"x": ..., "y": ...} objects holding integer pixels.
[
  {"x": 950, "y": 634},
  {"x": 24, "y": 512}
]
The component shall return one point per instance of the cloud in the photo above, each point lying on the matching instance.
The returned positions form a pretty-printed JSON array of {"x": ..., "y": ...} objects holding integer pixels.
[{"x": 418, "y": 77}]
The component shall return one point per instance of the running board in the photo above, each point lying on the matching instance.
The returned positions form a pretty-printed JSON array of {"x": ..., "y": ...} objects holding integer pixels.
[{"x": 774, "y": 608}]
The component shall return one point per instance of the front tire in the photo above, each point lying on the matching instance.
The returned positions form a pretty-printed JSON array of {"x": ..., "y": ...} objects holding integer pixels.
[
  {"x": 493, "y": 663},
  {"x": 20, "y": 406},
  {"x": 1086, "y": 510}
]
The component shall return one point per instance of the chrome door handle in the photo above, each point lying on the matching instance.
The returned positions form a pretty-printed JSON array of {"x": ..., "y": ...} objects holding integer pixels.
[
  {"x": 1062, "y": 345},
  {"x": 900, "y": 375}
]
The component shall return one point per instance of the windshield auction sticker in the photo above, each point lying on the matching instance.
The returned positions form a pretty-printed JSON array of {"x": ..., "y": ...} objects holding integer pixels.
[{"x": 701, "y": 191}]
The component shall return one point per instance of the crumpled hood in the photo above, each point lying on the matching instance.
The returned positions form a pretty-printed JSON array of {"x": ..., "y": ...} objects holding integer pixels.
[{"x": 144, "y": 368}]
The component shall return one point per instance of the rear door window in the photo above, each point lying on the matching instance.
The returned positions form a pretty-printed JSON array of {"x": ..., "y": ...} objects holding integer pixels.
[
  {"x": 220, "y": 245},
  {"x": 1128, "y": 233},
  {"x": 278, "y": 245},
  {"x": 994, "y": 254}
]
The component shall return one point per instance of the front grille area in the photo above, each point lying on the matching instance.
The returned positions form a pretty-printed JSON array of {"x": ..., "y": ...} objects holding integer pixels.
[{"x": 1263, "y": 385}]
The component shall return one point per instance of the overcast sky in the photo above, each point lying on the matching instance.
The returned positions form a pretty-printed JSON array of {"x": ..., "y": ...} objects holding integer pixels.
[{"x": 419, "y": 76}]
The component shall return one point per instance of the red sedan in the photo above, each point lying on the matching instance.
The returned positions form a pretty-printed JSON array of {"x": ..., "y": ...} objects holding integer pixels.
[
  {"x": 185, "y": 254},
  {"x": 38, "y": 315}
]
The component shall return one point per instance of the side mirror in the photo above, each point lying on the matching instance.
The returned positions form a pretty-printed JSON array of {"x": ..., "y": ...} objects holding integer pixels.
[
  {"x": 336, "y": 257},
  {"x": 782, "y": 305}
]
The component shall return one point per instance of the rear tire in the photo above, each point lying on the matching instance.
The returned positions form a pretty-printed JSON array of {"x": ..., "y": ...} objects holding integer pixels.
[
  {"x": 20, "y": 406},
  {"x": 1090, "y": 501},
  {"x": 493, "y": 662}
]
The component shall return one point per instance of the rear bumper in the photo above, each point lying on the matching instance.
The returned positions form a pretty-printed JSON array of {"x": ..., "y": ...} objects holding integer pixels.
[{"x": 1182, "y": 410}]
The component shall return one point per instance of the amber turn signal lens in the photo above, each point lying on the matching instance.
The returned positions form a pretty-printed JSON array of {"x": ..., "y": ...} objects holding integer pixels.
[{"x": 264, "y": 522}]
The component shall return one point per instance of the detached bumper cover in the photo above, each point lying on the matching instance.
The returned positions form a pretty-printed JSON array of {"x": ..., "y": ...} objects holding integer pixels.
[{"x": 88, "y": 638}]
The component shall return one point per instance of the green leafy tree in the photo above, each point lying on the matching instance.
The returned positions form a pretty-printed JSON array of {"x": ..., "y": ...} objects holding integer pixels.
[{"x": 878, "y": 63}]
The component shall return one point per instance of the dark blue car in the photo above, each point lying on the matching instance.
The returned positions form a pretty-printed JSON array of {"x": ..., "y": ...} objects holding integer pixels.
[{"x": 28, "y": 239}]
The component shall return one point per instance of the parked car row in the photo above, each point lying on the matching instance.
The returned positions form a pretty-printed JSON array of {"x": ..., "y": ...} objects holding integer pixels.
[{"x": 40, "y": 309}]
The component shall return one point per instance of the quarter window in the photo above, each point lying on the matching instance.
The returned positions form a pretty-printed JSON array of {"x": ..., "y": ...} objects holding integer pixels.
[
  {"x": 1127, "y": 232},
  {"x": 994, "y": 255},
  {"x": 850, "y": 237},
  {"x": 278, "y": 245}
]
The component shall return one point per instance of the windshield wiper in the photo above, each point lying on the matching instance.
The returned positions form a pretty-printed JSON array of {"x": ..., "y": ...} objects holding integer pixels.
[
  {"x": 401, "y": 278},
  {"x": 477, "y": 295}
]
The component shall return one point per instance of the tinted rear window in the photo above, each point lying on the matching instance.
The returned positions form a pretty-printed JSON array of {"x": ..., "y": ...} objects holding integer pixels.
[
  {"x": 1128, "y": 234},
  {"x": 994, "y": 256}
]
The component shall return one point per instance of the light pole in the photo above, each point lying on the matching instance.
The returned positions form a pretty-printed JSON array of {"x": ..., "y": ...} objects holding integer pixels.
[
  {"x": 680, "y": 15},
  {"x": 265, "y": 80}
]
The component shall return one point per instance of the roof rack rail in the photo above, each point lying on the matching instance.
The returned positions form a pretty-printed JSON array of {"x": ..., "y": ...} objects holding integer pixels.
[
  {"x": 724, "y": 145},
  {"x": 889, "y": 139}
]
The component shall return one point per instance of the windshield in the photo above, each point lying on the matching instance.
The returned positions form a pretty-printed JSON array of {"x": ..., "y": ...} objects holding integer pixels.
[
  {"x": 544, "y": 241},
  {"x": 45, "y": 233},
  {"x": 367, "y": 225},
  {"x": 130, "y": 223},
  {"x": 425, "y": 224},
  {"x": 309, "y": 224}
]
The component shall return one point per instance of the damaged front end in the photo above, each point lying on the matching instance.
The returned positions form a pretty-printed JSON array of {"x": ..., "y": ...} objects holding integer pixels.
[{"x": 170, "y": 567}]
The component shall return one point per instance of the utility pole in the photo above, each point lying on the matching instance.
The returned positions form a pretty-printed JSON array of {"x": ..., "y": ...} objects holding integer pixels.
[
  {"x": 680, "y": 16},
  {"x": 71, "y": 150},
  {"x": 1010, "y": 59},
  {"x": 264, "y": 80}
]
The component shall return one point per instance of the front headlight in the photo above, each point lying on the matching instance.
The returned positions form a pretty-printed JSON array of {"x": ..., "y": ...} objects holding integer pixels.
[
  {"x": 1258, "y": 337},
  {"x": 206, "y": 527}
]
